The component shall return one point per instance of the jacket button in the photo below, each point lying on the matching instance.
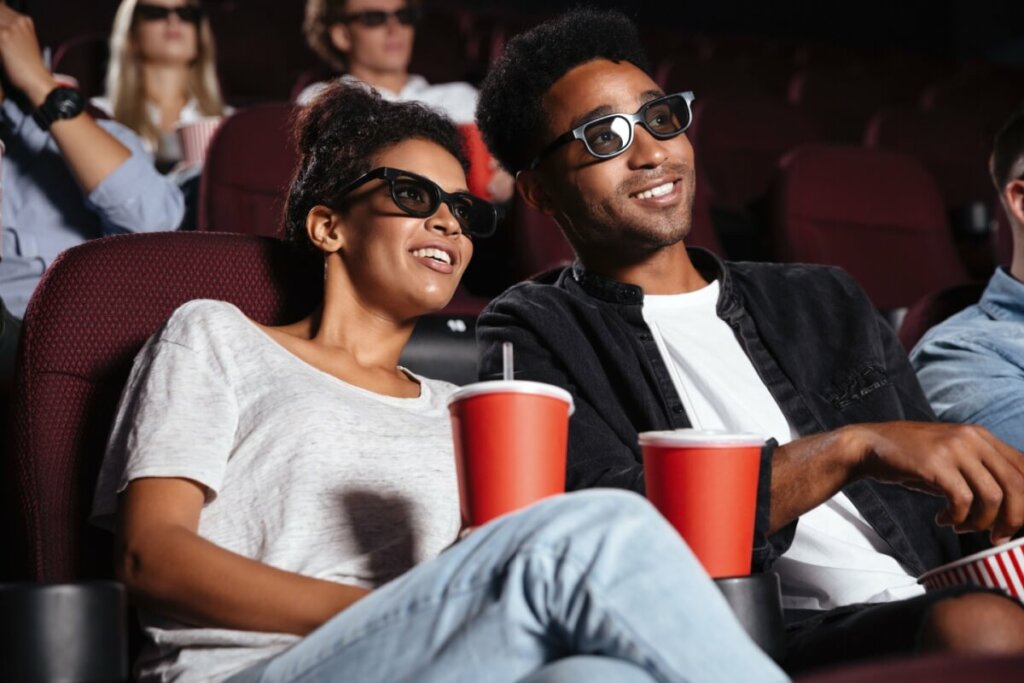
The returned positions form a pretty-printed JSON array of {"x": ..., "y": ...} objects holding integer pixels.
[
  {"x": 678, "y": 410},
  {"x": 643, "y": 336}
]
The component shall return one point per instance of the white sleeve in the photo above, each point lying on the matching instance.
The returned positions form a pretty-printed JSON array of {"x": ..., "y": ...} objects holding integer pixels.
[{"x": 177, "y": 418}]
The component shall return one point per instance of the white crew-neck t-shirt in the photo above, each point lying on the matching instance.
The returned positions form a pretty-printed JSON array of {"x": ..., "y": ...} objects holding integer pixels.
[
  {"x": 836, "y": 558},
  {"x": 303, "y": 471}
]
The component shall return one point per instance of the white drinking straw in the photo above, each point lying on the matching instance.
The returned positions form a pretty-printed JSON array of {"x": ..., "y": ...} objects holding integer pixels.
[{"x": 508, "y": 368}]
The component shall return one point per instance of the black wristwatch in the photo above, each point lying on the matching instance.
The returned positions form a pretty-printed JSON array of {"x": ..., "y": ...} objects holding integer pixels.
[{"x": 61, "y": 103}]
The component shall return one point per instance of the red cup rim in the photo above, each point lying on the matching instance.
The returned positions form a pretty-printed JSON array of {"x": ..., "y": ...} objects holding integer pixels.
[
  {"x": 515, "y": 386},
  {"x": 971, "y": 559},
  {"x": 705, "y": 438}
]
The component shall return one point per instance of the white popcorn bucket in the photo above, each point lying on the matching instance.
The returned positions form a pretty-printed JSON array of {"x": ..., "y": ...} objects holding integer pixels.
[
  {"x": 195, "y": 138},
  {"x": 999, "y": 567}
]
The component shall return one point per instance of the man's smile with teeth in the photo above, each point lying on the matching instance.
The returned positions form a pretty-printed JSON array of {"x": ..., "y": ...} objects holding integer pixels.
[
  {"x": 655, "y": 191},
  {"x": 436, "y": 254}
]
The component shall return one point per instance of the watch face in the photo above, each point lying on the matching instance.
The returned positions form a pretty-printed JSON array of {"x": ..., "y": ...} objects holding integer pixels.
[{"x": 68, "y": 103}]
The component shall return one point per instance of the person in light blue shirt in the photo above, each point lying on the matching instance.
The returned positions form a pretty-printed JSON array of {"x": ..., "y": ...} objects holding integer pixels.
[
  {"x": 972, "y": 365},
  {"x": 66, "y": 177}
]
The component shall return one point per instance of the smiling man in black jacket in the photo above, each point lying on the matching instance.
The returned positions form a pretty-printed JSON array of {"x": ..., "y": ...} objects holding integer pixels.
[{"x": 648, "y": 335}]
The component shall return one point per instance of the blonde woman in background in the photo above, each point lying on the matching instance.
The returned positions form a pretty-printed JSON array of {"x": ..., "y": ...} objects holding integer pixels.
[{"x": 161, "y": 72}]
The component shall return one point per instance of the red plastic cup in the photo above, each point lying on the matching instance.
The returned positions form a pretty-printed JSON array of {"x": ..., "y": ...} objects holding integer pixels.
[
  {"x": 705, "y": 485},
  {"x": 480, "y": 169},
  {"x": 999, "y": 567},
  {"x": 510, "y": 445}
]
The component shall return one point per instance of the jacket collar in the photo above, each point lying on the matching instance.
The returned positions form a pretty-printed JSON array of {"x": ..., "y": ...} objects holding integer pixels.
[
  {"x": 1004, "y": 297},
  {"x": 707, "y": 264}
]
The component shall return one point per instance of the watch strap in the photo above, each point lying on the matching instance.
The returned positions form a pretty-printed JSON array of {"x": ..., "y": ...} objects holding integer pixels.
[{"x": 61, "y": 103}]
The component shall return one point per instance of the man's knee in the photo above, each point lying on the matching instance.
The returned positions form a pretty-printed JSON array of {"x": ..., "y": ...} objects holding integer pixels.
[
  {"x": 605, "y": 505},
  {"x": 586, "y": 516},
  {"x": 975, "y": 622}
]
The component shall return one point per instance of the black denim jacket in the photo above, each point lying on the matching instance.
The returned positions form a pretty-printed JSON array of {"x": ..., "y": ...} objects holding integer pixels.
[{"x": 820, "y": 347}]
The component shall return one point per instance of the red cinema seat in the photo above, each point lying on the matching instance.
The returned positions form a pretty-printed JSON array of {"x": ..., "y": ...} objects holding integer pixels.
[
  {"x": 841, "y": 100},
  {"x": 738, "y": 141},
  {"x": 954, "y": 148},
  {"x": 80, "y": 335},
  {"x": 936, "y": 307},
  {"x": 248, "y": 170},
  {"x": 875, "y": 213},
  {"x": 932, "y": 668}
]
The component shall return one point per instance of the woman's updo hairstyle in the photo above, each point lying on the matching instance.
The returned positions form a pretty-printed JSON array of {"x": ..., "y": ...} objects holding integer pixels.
[{"x": 338, "y": 136}]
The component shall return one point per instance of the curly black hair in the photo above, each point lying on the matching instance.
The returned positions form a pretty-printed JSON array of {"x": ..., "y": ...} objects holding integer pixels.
[
  {"x": 338, "y": 135},
  {"x": 1008, "y": 152},
  {"x": 509, "y": 111}
]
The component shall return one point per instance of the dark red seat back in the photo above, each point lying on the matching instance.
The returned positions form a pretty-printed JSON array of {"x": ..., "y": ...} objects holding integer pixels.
[
  {"x": 92, "y": 311},
  {"x": 954, "y": 148},
  {"x": 841, "y": 100},
  {"x": 248, "y": 171},
  {"x": 875, "y": 213},
  {"x": 936, "y": 307},
  {"x": 738, "y": 141}
]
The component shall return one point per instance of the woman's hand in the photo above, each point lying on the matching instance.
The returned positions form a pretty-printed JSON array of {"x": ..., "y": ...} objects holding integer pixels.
[{"x": 22, "y": 58}]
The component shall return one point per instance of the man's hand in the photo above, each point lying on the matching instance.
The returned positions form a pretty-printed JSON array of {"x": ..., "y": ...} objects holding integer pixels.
[
  {"x": 21, "y": 58},
  {"x": 981, "y": 477}
]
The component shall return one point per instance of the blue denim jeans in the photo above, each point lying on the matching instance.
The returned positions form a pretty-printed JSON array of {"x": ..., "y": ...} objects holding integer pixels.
[{"x": 593, "y": 573}]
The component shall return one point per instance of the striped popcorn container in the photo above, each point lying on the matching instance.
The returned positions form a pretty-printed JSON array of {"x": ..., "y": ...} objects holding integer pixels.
[
  {"x": 195, "y": 138},
  {"x": 999, "y": 567}
]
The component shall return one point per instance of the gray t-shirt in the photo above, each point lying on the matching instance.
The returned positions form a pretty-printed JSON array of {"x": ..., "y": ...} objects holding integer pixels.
[{"x": 303, "y": 471}]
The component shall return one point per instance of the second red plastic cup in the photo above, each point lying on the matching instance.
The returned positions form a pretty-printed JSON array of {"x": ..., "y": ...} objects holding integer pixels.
[
  {"x": 510, "y": 445},
  {"x": 705, "y": 484}
]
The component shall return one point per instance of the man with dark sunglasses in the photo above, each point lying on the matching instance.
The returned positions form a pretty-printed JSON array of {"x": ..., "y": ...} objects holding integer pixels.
[
  {"x": 649, "y": 335},
  {"x": 370, "y": 42},
  {"x": 972, "y": 366}
]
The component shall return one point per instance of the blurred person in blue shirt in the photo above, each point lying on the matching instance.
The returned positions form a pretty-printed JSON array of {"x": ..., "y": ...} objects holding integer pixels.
[
  {"x": 972, "y": 365},
  {"x": 66, "y": 177}
]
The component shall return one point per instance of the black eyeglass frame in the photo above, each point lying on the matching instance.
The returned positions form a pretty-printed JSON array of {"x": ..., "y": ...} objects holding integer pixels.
[
  {"x": 190, "y": 14},
  {"x": 437, "y": 195},
  {"x": 407, "y": 16},
  {"x": 577, "y": 133}
]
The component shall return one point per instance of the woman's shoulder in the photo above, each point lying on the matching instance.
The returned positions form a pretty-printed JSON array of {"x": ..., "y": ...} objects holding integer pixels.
[{"x": 202, "y": 323}]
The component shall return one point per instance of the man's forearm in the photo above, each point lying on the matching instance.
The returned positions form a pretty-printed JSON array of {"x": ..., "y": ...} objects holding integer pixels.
[{"x": 809, "y": 471}]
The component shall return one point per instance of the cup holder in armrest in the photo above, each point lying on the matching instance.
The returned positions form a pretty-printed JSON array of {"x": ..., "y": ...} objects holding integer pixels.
[{"x": 66, "y": 632}]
